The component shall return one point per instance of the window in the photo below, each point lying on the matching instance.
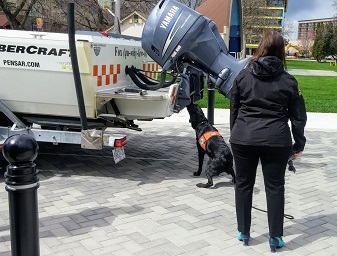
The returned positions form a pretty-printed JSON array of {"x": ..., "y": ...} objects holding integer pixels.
[{"x": 135, "y": 18}]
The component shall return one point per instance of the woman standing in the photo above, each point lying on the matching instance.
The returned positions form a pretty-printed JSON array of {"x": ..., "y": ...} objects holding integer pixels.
[{"x": 264, "y": 98}]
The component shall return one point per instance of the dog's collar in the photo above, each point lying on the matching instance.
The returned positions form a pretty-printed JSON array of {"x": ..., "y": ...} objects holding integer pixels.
[
  {"x": 203, "y": 122},
  {"x": 205, "y": 137}
]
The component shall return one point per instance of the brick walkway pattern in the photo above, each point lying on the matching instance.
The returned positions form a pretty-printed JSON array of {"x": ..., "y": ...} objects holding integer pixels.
[{"x": 149, "y": 204}]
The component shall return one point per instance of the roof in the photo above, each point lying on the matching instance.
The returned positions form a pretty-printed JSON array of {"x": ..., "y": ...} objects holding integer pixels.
[
  {"x": 4, "y": 23},
  {"x": 217, "y": 10},
  {"x": 317, "y": 20},
  {"x": 3, "y": 20},
  {"x": 141, "y": 15}
]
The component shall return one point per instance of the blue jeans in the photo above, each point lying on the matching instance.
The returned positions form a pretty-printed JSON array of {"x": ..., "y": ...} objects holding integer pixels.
[{"x": 274, "y": 162}]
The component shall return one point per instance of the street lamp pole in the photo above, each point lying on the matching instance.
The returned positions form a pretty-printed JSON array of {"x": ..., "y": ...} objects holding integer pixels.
[{"x": 117, "y": 16}]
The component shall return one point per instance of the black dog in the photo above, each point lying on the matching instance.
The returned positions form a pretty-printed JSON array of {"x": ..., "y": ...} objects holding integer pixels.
[{"x": 209, "y": 141}]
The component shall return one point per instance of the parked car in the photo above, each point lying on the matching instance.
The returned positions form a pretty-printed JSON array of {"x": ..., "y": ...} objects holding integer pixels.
[{"x": 331, "y": 57}]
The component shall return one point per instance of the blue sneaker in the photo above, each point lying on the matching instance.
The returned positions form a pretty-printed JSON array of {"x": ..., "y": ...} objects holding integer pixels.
[
  {"x": 244, "y": 237},
  {"x": 275, "y": 242}
]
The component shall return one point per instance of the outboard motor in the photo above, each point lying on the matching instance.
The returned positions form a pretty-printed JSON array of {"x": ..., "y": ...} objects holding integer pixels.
[{"x": 181, "y": 39}]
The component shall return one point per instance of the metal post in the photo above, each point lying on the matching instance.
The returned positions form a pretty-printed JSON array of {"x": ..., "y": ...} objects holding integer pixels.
[
  {"x": 75, "y": 66},
  {"x": 22, "y": 183},
  {"x": 117, "y": 17},
  {"x": 210, "y": 103}
]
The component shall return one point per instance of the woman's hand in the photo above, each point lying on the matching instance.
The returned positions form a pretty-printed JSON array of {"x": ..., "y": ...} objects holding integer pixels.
[{"x": 297, "y": 154}]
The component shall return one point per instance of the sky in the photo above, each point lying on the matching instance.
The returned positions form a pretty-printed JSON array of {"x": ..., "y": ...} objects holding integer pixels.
[{"x": 307, "y": 10}]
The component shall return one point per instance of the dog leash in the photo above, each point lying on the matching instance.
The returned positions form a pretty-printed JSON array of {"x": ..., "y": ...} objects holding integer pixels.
[
  {"x": 291, "y": 168},
  {"x": 287, "y": 216}
]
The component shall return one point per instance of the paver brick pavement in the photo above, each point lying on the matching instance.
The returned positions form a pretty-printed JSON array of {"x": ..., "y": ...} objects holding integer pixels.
[{"x": 148, "y": 204}]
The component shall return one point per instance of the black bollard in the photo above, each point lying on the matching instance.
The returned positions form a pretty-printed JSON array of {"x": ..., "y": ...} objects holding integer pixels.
[
  {"x": 22, "y": 184},
  {"x": 210, "y": 103}
]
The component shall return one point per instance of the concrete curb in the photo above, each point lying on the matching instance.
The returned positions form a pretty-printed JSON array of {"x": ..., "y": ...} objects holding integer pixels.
[{"x": 316, "y": 121}]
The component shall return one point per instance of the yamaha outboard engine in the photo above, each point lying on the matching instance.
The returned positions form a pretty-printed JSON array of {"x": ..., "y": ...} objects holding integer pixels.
[{"x": 180, "y": 39}]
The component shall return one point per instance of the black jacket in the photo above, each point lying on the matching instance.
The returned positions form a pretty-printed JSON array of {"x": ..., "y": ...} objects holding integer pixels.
[{"x": 263, "y": 99}]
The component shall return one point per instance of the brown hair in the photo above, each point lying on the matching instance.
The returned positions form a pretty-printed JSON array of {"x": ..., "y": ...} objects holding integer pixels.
[{"x": 271, "y": 44}]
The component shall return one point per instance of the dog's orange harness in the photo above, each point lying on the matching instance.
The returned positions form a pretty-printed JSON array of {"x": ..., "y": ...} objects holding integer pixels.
[{"x": 205, "y": 137}]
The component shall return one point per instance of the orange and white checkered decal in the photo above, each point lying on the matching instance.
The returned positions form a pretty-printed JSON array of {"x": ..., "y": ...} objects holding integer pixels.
[
  {"x": 151, "y": 69},
  {"x": 106, "y": 74}
]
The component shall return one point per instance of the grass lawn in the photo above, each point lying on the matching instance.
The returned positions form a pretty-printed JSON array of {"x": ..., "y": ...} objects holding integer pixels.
[
  {"x": 219, "y": 102},
  {"x": 319, "y": 92},
  {"x": 309, "y": 64}
]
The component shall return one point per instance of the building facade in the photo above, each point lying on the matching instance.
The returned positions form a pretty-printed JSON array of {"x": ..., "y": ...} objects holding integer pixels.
[
  {"x": 307, "y": 28},
  {"x": 260, "y": 16},
  {"x": 241, "y": 23},
  {"x": 227, "y": 15},
  {"x": 306, "y": 33}
]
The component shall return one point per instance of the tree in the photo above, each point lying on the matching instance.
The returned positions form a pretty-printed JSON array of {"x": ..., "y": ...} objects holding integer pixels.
[
  {"x": 307, "y": 41},
  {"x": 89, "y": 15},
  {"x": 317, "y": 49},
  {"x": 325, "y": 39},
  {"x": 288, "y": 30},
  {"x": 334, "y": 38},
  {"x": 14, "y": 11},
  {"x": 328, "y": 35},
  {"x": 334, "y": 42},
  {"x": 145, "y": 6},
  {"x": 192, "y": 3}
]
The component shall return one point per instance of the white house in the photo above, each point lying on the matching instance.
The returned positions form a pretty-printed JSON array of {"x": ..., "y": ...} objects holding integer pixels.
[{"x": 132, "y": 25}]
